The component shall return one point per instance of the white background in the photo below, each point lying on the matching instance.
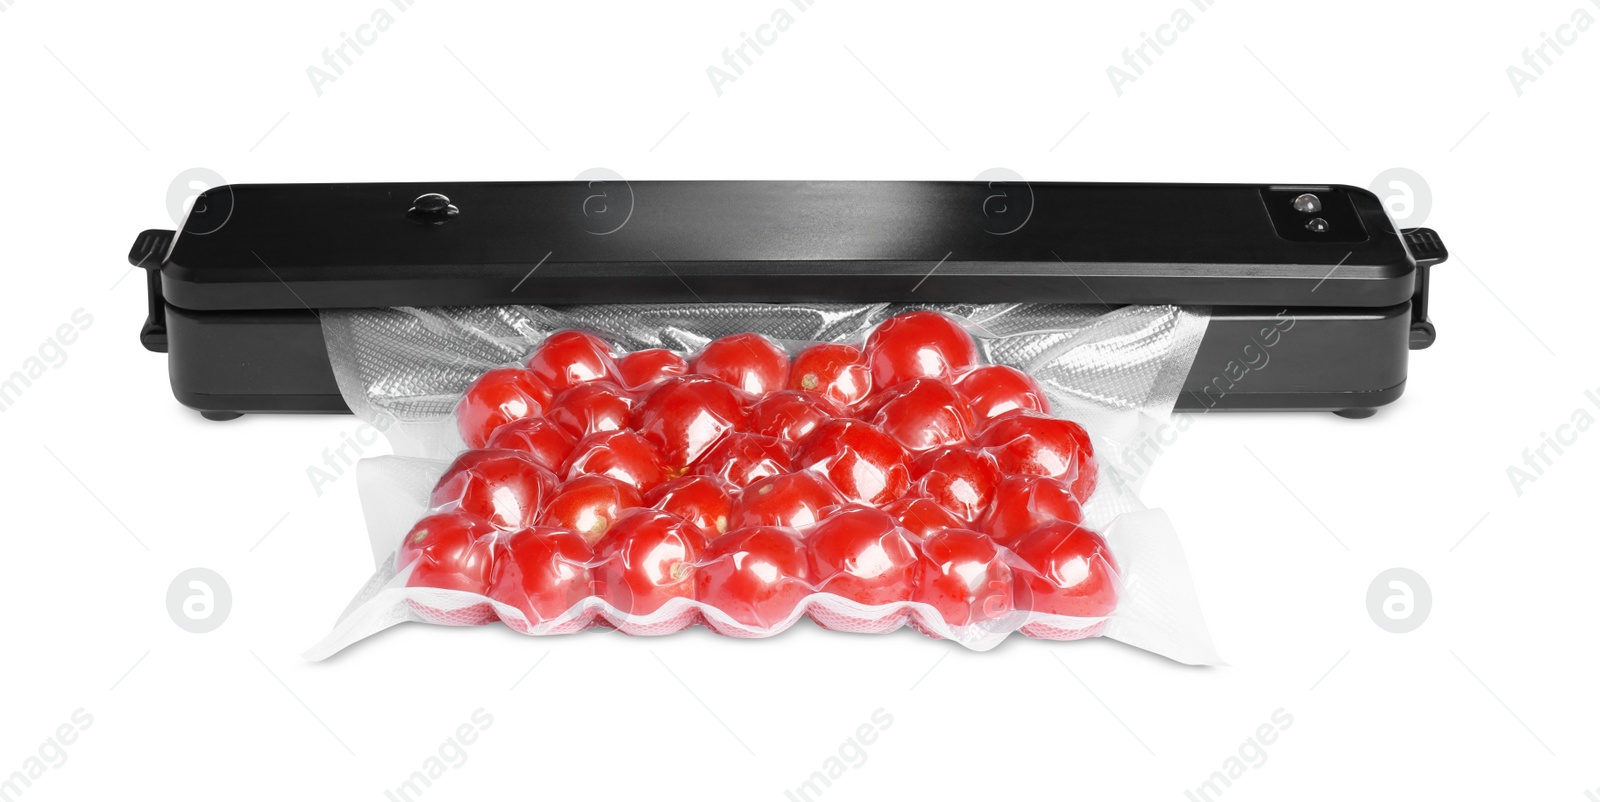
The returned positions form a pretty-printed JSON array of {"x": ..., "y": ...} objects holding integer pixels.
[{"x": 113, "y": 488}]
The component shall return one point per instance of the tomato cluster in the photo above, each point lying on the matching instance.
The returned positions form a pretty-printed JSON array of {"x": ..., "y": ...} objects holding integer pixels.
[{"x": 900, "y": 471}]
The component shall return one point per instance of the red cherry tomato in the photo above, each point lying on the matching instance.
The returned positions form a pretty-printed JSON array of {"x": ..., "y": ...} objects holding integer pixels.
[
  {"x": 542, "y": 572},
  {"x": 704, "y": 501},
  {"x": 992, "y": 390},
  {"x": 566, "y": 358},
  {"x": 793, "y": 499},
  {"x": 505, "y": 488},
  {"x": 960, "y": 480},
  {"x": 440, "y": 526},
  {"x": 1073, "y": 572},
  {"x": 540, "y": 438},
  {"x": 1027, "y": 442},
  {"x": 747, "y": 361},
  {"x": 498, "y": 397},
  {"x": 790, "y": 415},
  {"x": 451, "y": 553},
  {"x": 916, "y": 345},
  {"x": 597, "y": 406},
  {"x": 685, "y": 416},
  {"x": 589, "y": 505},
  {"x": 622, "y": 455},
  {"x": 644, "y": 367},
  {"x": 965, "y": 577},
  {"x": 923, "y": 414},
  {"x": 865, "y": 464},
  {"x": 923, "y": 516},
  {"x": 757, "y": 576},
  {"x": 742, "y": 458},
  {"x": 646, "y": 559},
  {"x": 1024, "y": 503},
  {"x": 835, "y": 372},
  {"x": 862, "y": 554}
]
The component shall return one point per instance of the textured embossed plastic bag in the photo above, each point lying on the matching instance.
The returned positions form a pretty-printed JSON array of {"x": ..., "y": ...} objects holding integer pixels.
[{"x": 1116, "y": 372}]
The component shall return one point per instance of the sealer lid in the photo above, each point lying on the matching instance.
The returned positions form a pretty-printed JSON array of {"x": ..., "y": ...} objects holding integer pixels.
[{"x": 282, "y": 246}]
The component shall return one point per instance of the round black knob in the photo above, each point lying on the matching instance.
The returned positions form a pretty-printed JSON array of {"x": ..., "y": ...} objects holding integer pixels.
[
  {"x": 432, "y": 209},
  {"x": 1308, "y": 203}
]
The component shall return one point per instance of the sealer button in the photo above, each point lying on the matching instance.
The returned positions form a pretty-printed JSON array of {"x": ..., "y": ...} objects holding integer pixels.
[{"x": 432, "y": 209}]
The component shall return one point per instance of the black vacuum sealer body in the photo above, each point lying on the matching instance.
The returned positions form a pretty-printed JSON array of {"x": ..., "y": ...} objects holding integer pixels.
[{"x": 1312, "y": 280}]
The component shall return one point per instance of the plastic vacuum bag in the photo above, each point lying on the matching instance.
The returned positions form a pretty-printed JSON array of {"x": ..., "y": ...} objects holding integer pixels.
[{"x": 716, "y": 464}]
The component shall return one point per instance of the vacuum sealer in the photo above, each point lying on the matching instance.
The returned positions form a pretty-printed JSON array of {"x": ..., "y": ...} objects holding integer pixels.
[{"x": 1314, "y": 278}]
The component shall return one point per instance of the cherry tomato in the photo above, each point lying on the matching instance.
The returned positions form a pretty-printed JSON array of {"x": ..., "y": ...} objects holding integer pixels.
[
  {"x": 505, "y": 488},
  {"x": 497, "y": 397},
  {"x": 747, "y": 361},
  {"x": 1027, "y": 442},
  {"x": 960, "y": 480},
  {"x": 646, "y": 559},
  {"x": 540, "y": 438},
  {"x": 793, "y": 500},
  {"x": 757, "y": 576},
  {"x": 451, "y": 552},
  {"x": 992, "y": 390},
  {"x": 923, "y": 516},
  {"x": 623, "y": 455},
  {"x": 440, "y": 526},
  {"x": 923, "y": 414},
  {"x": 790, "y": 415},
  {"x": 597, "y": 406},
  {"x": 862, "y": 554},
  {"x": 685, "y": 416},
  {"x": 742, "y": 458},
  {"x": 569, "y": 357},
  {"x": 704, "y": 501},
  {"x": 865, "y": 464},
  {"x": 835, "y": 372},
  {"x": 1024, "y": 503},
  {"x": 965, "y": 577},
  {"x": 542, "y": 572},
  {"x": 589, "y": 505},
  {"x": 653, "y": 364},
  {"x": 1073, "y": 572},
  {"x": 916, "y": 345}
]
